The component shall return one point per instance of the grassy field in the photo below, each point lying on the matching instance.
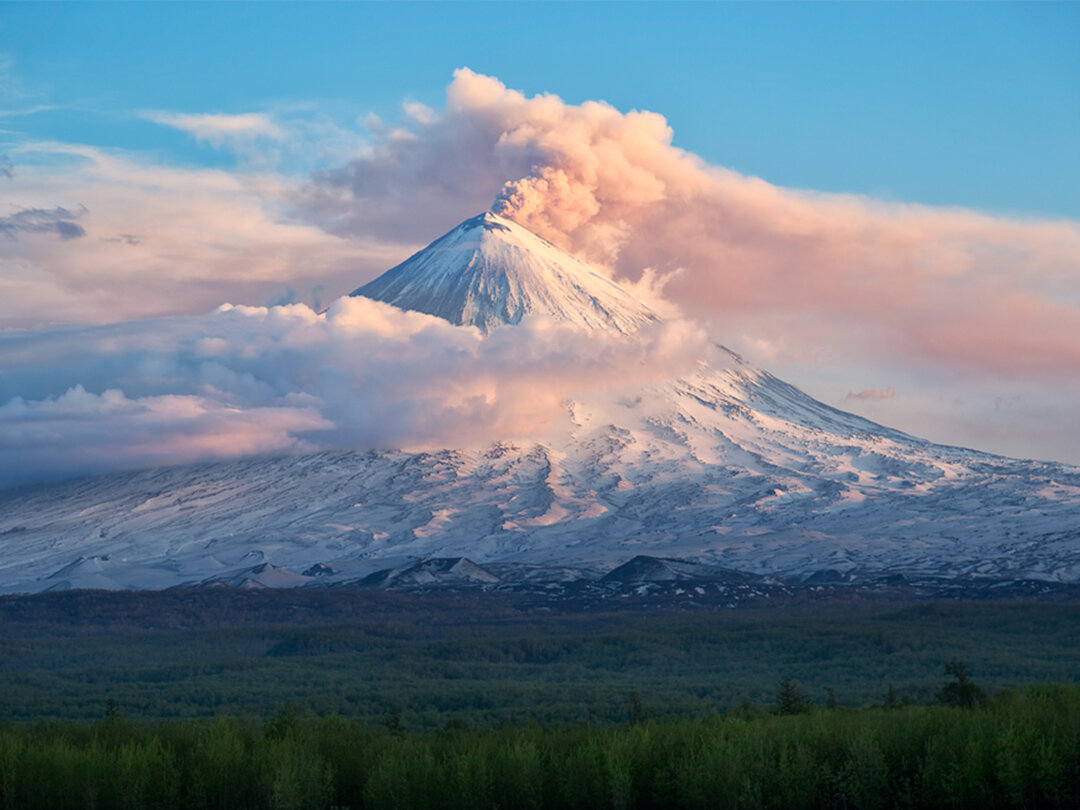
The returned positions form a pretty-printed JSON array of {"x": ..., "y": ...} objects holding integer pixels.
[{"x": 560, "y": 669}]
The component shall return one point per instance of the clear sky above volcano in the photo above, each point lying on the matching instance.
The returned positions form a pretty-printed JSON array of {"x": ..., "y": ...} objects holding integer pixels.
[{"x": 901, "y": 179}]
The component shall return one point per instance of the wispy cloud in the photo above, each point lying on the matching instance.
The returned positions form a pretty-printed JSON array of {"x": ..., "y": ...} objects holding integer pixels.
[
  {"x": 20, "y": 112},
  {"x": 289, "y": 139},
  {"x": 421, "y": 113},
  {"x": 872, "y": 394},
  {"x": 162, "y": 240},
  {"x": 58, "y": 221},
  {"x": 218, "y": 128}
]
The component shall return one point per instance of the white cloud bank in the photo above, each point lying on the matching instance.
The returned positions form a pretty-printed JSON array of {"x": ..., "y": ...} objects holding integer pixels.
[{"x": 245, "y": 380}]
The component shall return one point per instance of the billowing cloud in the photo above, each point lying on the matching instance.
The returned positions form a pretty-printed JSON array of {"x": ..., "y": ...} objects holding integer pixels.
[
  {"x": 245, "y": 380},
  {"x": 932, "y": 286}
]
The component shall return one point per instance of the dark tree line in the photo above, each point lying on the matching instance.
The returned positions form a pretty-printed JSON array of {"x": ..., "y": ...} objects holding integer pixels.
[{"x": 1017, "y": 750}]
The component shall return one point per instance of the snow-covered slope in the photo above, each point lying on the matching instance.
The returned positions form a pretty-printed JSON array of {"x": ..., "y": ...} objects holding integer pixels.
[
  {"x": 727, "y": 466},
  {"x": 490, "y": 271}
]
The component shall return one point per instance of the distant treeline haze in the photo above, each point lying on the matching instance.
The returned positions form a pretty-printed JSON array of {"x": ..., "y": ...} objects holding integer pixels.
[{"x": 557, "y": 670}]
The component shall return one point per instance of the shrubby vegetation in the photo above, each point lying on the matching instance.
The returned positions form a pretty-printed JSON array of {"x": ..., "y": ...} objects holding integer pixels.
[{"x": 1018, "y": 750}]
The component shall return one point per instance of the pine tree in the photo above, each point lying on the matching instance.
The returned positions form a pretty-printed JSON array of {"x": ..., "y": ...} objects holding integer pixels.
[
  {"x": 637, "y": 713},
  {"x": 393, "y": 718},
  {"x": 789, "y": 700},
  {"x": 960, "y": 692}
]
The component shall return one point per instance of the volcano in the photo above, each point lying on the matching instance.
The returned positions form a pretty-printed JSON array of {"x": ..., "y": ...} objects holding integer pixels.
[
  {"x": 489, "y": 271},
  {"x": 727, "y": 466}
]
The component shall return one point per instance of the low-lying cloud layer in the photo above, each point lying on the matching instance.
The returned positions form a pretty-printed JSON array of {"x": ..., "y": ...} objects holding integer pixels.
[{"x": 245, "y": 380}]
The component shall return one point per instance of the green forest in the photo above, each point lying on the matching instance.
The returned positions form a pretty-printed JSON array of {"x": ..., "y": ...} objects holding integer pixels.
[
  {"x": 559, "y": 669},
  {"x": 934, "y": 705},
  {"x": 1018, "y": 750}
]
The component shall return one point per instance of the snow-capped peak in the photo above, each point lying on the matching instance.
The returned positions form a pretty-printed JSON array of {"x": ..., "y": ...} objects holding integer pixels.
[{"x": 490, "y": 271}]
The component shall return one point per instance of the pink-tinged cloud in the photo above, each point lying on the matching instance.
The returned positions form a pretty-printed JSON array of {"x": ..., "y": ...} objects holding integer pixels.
[
  {"x": 245, "y": 380},
  {"x": 872, "y": 394},
  {"x": 81, "y": 432},
  {"x": 845, "y": 273},
  {"x": 96, "y": 237}
]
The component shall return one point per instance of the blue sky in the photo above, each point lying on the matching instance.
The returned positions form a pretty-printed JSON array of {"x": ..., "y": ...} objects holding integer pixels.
[{"x": 957, "y": 104}]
